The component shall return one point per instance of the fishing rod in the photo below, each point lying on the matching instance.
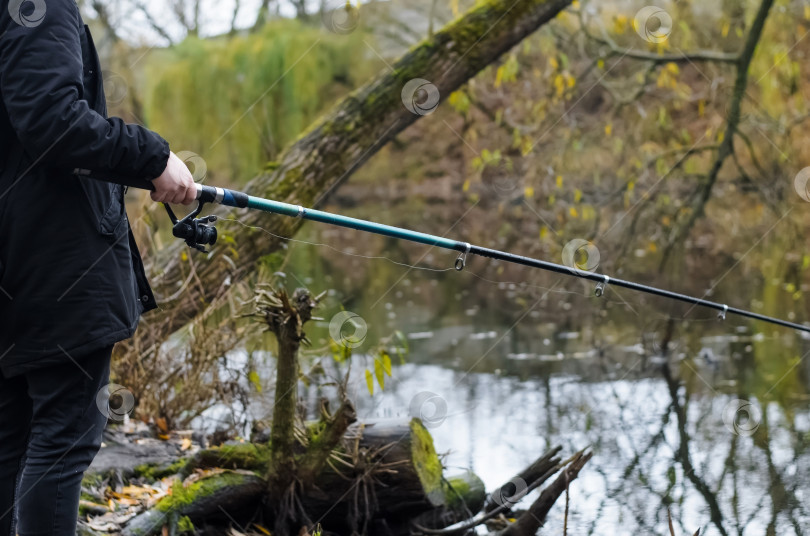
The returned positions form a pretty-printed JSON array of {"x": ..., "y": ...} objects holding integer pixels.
[{"x": 200, "y": 232}]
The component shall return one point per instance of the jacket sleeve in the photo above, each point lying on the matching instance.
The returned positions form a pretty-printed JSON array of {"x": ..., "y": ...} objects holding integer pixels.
[{"x": 41, "y": 79}]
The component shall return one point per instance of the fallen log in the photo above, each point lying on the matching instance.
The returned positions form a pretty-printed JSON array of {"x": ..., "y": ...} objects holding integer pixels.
[
  {"x": 223, "y": 496},
  {"x": 529, "y": 475},
  {"x": 384, "y": 466},
  {"x": 246, "y": 456},
  {"x": 464, "y": 496},
  {"x": 529, "y": 523},
  {"x": 381, "y": 468},
  {"x": 516, "y": 490}
]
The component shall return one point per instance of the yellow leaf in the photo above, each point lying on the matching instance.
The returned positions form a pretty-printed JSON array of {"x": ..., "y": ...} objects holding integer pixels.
[
  {"x": 807, "y": 12},
  {"x": 499, "y": 77},
  {"x": 254, "y": 379},
  {"x": 466, "y": 186},
  {"x": 652, "y": 247},
  {"x": 386, "y": 362},
  {"x": 726, "y": 28},
  {"x": 543, "y": 232},
  {"x": 600, "y": 64},
  {"x": 262, "y": 529},
  {"x": 528, "y": 191},
  {"x": 573, "y": 212},
  {"x": 370, "y": 382},
  {"x": 608, "y": 130},
  {"x": 559, "y": 181},
  {"x": 554, "y": 63},
  {"x": 620, "y": 24},
  {"x": 184, "y": 256},
  {"x": 379, "y": 373},
  {"x": 577, "y": 195},
  {"x": 559, "y": 85}
]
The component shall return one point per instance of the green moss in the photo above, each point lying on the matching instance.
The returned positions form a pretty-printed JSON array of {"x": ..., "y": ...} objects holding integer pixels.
[
  {"x": 158, "y": 471},
  {"x": 182, "y": 496},
  {"x": 465, "y": 491},
  {"x": 248, "y": 456},
  {"x": 184, "y": 525},
  {"x": 92, "y": 480},
  {"x": 426, "y": 461}
]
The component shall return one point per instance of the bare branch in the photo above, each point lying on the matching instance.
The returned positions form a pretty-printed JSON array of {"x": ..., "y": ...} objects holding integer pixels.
[
  {"x": 140, "y": 6},
  {"x": 683, "y": 57},
  {"x": 732, "y": 123}
]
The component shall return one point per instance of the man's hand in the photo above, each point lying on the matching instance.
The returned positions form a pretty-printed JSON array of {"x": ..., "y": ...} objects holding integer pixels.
[{"x": 175, "y": 184}]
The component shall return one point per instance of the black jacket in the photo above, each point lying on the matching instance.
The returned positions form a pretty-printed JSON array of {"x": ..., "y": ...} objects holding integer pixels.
[{"x": 71, "y": 277}]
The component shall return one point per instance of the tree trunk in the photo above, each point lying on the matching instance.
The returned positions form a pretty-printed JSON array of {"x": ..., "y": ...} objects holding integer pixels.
[{"x": 337, "y": 146}]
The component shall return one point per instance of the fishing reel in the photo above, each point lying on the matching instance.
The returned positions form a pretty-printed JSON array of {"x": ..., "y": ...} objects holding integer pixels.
[{"x": 197, "y": 232}]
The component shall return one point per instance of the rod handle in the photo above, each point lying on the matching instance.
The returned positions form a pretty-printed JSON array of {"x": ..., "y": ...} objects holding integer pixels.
[{"x": 222, "y": 196}]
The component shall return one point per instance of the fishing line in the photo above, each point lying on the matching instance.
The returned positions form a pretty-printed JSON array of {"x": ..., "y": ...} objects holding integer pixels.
[
  {"x": 344, "y": 252},
  {"x": 522, "y": 285},
  {"x": 498, "y": 283},
  {"x": 422, "y": 268}
]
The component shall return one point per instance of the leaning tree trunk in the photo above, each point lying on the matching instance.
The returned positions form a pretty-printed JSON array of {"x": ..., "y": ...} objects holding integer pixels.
[{"x": 337, "y": 146}]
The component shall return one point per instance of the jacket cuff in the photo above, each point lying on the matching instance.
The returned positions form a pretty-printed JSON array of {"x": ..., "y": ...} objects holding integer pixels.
[{"x": 157, "y": 164}]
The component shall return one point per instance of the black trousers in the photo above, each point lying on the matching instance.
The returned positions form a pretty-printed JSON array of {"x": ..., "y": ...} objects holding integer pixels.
[{"x": 51, "y": 426}]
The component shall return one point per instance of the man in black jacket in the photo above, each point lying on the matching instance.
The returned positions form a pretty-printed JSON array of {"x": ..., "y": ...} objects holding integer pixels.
[{"x": 72, "y": 283}]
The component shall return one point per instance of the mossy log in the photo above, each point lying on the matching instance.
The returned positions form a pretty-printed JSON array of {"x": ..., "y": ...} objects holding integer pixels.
[
  {"x": 382, "y": 469},
  {"x": 393, "y": 470},
  {"x": 464, "y": 496},
  {"x": 223, "y": 496},
  {"x": 334, "y": 148},
  {"x": 246, "y": 456}
]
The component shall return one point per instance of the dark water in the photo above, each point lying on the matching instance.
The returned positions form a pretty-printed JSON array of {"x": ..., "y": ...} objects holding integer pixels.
[{"x": 718, "y": 430}]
